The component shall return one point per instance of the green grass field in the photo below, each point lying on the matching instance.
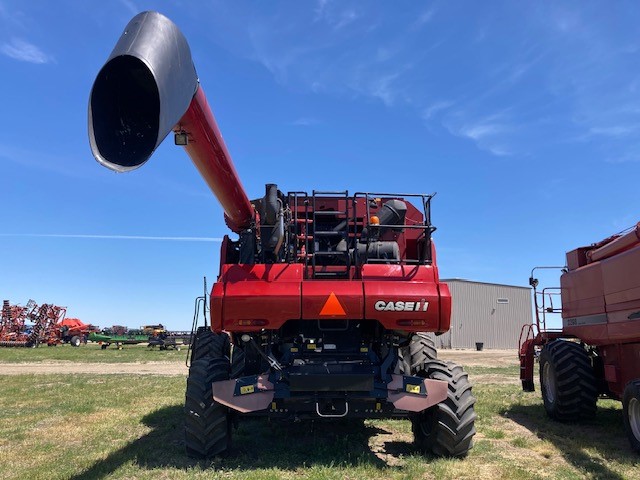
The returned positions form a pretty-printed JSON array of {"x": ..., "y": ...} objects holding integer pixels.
[
  {"x": 92, "y": 353},
  {"x": 130, "y": 426}
]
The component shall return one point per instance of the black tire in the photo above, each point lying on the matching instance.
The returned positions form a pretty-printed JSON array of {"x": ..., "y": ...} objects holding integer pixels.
[
  {"x": 412, "y": 358},
  {"x": 245, "y": 360},
  {"x": 447, "y": 429},
  {"x": 75, "y": 341},
  {"x": 631, "y": 413},
  {"x": 207, "y": 426},
  {"x": 207, "y": 343},
  {"x": 238, "y": 361},
  {"x": 567, "y": 381}
]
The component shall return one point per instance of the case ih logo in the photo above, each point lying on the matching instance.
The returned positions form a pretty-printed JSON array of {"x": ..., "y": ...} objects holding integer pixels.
[{"x": 400, "y": 306}]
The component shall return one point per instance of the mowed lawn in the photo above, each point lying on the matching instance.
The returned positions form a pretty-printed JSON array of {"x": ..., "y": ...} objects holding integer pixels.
[
  {"x": 81, "y": 426},
  {"x": 92, "y": 353}
]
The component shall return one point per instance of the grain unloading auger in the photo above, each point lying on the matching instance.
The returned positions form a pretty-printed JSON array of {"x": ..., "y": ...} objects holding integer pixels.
[{"x": 321, "y": 306}]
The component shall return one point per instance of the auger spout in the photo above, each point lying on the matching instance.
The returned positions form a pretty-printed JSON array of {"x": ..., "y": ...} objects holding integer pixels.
[{"x": 149, "y": 87}]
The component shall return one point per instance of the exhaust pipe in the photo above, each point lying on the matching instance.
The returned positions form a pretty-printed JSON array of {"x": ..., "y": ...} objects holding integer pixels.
[{"x": 149, "y": 87}]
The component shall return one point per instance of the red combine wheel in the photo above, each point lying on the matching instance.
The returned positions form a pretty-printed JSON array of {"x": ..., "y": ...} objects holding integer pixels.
[
  {"x": 631, "y": 411},
  {"x": 567, "y": 381}
]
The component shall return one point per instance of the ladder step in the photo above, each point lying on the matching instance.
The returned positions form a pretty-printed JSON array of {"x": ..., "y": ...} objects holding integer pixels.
[
  {"x": 331, "y": 254},
  {"x": 328, "y": 192},
  {"x": 331, "y": 274},
  {"x": 330, "y": 212}
]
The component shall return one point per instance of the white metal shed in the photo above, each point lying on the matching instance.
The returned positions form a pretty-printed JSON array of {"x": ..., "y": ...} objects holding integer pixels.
[{"x": 487, "y": 313}]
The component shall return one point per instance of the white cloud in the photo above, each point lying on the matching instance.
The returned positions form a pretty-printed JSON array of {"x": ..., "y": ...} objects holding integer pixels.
[
  {"x": 565, "y": 21},
  {"x": 334, "y": 15},
  {"x": 382, "y": 88},
  {"x": 559, "y": 71},
  {"x": 434, "y": 108},
  {"x": 615, "y": 130},
  {"x": 130, "y": 6},
  {"x": 489, "y": 134},
  {"x": 480, "y": 131},
  {"x": 320, "y": 9},
  {"x": 66, "y": 165},
  {"x": 424, "y": 18},
  {"x": 25, "y": 52},
  {"x": 345, "y": 18},
  {"x": 305, "y": 122},
  {"x": 627, "y": 157}
]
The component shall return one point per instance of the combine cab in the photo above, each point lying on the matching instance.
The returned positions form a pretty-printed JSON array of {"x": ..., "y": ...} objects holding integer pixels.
[
  {"x": 323, "y": 300},
  {"x": 597, "y": 350}
]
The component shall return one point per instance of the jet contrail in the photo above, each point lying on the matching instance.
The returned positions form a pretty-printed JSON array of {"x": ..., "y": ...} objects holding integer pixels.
[{"x": 114, "y": 237}]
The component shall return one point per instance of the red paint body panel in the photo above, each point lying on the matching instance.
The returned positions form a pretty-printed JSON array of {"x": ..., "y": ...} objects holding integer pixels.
[
  {"x": 582, "y": 291},
  {"x": 445, "y": 308},
  {"x": 410, "y": 293},
  {"x": 621, "y": 278},
  {"x": 215, "y": 307},
  {"x": 622, "y": 364},
  {"x": 315, "y": 294},
  {"x": 269, "y": 294},
  {"x": 274, "y": 272},
  {"x": 275, "y": 293},
  {"x": 609, "y": 288},
  {"x": 407, "y": 273}
]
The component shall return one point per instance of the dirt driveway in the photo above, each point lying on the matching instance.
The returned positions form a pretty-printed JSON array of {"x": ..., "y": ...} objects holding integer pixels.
[
  {"x": 136, "y": 368},
  {"x": 486, "y": 358}
]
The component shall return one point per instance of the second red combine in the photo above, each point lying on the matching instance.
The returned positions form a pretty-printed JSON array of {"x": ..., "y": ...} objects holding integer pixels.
[{"x": 323, "y": 301}]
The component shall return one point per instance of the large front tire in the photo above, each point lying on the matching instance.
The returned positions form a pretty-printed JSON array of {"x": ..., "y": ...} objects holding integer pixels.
[
  {"x": 567, "y": 381},
  {"x": 207, "y": 431},
  {"x": 631, "y": 412},
  {"x": 207, "y": 343},
  {"x": 447, "y": 429},
  {"x": 207, "y": 426},
  {"x": 411, "y": 358}
]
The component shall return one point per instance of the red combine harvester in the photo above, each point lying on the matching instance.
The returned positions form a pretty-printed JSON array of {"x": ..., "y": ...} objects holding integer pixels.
[
  {"x": 322, "y": 303},
  {"x": 597, "y": 351}
]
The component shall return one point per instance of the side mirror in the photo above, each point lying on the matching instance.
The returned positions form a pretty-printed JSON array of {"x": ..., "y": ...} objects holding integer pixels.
[{"x": 533, "y": 282}]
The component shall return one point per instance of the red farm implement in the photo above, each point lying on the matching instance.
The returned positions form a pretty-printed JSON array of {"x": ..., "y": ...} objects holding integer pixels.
[
  {"x": 596, "y": 352},
  {"x": 30, "y": 325}
]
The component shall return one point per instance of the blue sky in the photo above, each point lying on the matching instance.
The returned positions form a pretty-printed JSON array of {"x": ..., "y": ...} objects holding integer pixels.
[{"x": 523, "y": 116}]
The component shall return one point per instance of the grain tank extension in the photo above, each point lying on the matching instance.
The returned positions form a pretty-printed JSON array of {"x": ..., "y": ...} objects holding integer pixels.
[
  {"x": 597, "y": 350},
  {"x": 323, "y": 302}
]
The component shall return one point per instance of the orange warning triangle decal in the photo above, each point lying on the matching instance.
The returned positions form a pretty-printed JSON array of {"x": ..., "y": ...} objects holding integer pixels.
[{"x": 332, "y": 306}]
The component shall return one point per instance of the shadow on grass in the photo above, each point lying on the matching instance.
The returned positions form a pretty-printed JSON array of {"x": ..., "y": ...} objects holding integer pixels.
[
  {"x": 604, "y": 435},
  {"x": 257, "y": 444}
]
